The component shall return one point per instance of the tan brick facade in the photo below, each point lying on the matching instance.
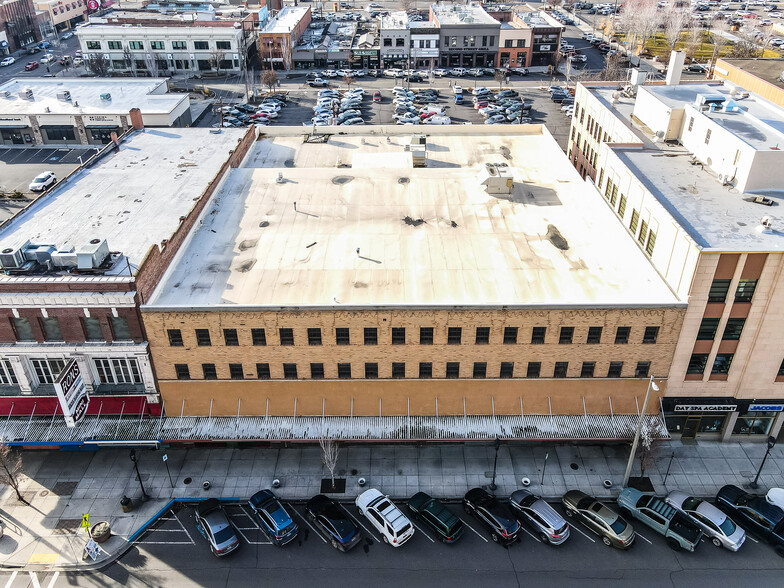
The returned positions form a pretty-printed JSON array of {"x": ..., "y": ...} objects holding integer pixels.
[{"x": 385, "y": 395}]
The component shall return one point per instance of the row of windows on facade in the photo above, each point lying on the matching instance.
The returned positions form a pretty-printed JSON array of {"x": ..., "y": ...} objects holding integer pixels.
[
  {"x": 454, "y": 336},
  {"x": 638, "y": 227},
  {"x": 721, "y": 364},
  {"x": 67, "y": 7},
  {"x": 469, "y": 41},
  {"x": 112, "y": 370},
  {"x": 50, "y": 327},
  {"x": 533, "y": 370},
  {"x": 157, "y": 45}
]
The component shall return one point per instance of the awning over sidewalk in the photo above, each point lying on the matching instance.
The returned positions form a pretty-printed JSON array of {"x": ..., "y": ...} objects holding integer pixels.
[{"x": 102, "y": 429}]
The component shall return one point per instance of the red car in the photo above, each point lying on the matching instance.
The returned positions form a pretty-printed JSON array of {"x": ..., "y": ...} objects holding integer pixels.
[
  {"x": 31, "y": 65},
  {"x": 259, "y": 115},
  {"x": 377, "y": 96},
  {"x": 426, "y": 115}
]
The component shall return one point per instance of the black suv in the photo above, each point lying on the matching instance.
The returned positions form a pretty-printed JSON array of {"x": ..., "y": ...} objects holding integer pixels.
[
  {"x": 438, "y": 518},
  {"x": 497, "y": 517},
  {"x": 755, "y": 514}
]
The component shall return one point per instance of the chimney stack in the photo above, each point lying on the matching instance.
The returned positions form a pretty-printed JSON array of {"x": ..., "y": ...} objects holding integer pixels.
[
  {"x": 674, "y": 70},
  {"x": 136, "y": 119}
]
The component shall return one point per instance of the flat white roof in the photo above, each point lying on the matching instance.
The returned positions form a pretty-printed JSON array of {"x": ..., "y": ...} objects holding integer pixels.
[
  {"x": 126, "y": 93},
  {"x": 286, "y": 19},
  {"x": 454, "y": 14},
  {"x": 343, "y": 228},
  {"x": 133, "y": 198}
]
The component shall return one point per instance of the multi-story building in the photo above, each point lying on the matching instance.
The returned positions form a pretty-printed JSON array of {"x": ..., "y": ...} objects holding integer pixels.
[
  {"x": 761, "y": 76},
  {"x": 76, "y": 265},
  {"x": 149, "y": 43},
  {"x": 515, "y": 45},
  {"x": 528, "y": 37},
  {"x": 693, "y": 172},
  {"x": 395, "y": 40},
  {"x": 63, "y": 14},
  {"x": 18, "y": 25},
  {"x": 84, "y": 111},
  {"x": 482, "y": 298},
  {"x": 280, "y": 34},
  {"x": 425, "y": 41},
  {"x": 469, "y": 36}
]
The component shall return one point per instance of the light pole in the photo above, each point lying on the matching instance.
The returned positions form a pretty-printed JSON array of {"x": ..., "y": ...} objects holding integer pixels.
[
  {"x": 771, "y": 444},
  {"x": 496, "y": 444},
  {"x": 145, "y": 497},
  {"x": 651, "y": 384}
]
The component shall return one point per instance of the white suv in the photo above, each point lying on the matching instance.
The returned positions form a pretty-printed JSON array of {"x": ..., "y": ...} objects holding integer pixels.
[{"x": 393, "y": 525}]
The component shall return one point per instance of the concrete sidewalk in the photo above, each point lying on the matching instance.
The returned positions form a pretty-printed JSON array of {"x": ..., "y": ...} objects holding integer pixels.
[{"x": 61, "y": 486}]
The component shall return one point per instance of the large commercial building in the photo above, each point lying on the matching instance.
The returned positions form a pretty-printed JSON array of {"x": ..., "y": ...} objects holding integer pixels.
[
  {"x": 278, "y": 35},
  {"x": 469, "y": 36},
  {"x": 84, "y": 111},
  {"x": 465, "y": 284},
  {"x": 77, "y": 263},
  {"x": 693, "y": 172},
  {"x": 18, "y": 26},
  {"x": 63, "y": 14}
]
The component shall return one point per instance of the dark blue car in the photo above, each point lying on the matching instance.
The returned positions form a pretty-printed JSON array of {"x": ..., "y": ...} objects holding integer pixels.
[
  {"x": 272, "y": 517},
  {"x": 334, "y": 522},
  {"x": 755, "y": 514}
]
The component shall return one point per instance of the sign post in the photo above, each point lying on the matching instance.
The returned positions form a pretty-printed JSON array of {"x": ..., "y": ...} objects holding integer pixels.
[
  {"x": 72, "y": 393},
  {"x": 166, "y": 461},
  {"x": 86, "y": 522}
]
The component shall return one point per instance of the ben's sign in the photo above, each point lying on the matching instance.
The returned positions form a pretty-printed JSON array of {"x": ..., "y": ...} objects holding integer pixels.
[{"x": 72, "y": 393}]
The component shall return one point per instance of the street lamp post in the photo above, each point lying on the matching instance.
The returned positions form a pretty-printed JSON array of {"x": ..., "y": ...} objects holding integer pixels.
[
  {"x": 496, "y": 444},
  {"x": 651, "y": 384},
  {"x": 145, "y": 496},
  {"x": 771, "y": 444}
]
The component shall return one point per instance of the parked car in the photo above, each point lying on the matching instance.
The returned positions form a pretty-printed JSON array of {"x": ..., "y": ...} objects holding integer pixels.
[
  {"x": 714, "y": 523},
  {"x": 497, "y": 517},
  {"x": 447, "y": 526},
  {"x": 605, "y": 522},
  {"x": 480, "y": 91},
  {"x": 213, "y": 524},
  {"x": 48, "y": 58},
  {"x": 377, "y": 96},
  {"x": 437, "y": 119},
  {"x": 506, "y": 94},
  {"x": 31, "y": 65},
  {"x": 33, "y": 50},
  {"x": 387, "y": 518},
  {"x": 496, "y": 119},
  {"x": 458, "y": 89},
  {"x": 7, "y": 61},
  {"x": 356, "y": 120},
  {"x": 697, "y": 68},
  {"x": 43, "y": 181},
  {"x": 333, "y": 520},
  {"x": 521, "y": 71},
  {"x": 458, "y": 71},
  {"x": 273, "y": 518},
  {"x": 318, "y": 83},
  {"x": 329, "y": 73},
  {"x": 408, "y": 117},
  {"x": 67, "y": 35},
  {"x": 755, "y": 514},
  {"x": 535, "y": 512},
  {"x": 676, "y": 527}
]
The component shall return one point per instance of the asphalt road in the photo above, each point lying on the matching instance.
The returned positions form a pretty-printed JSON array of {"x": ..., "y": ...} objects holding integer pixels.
[
  {"x": 16, "y": 70},
  {"x": 174, "y": 554}
]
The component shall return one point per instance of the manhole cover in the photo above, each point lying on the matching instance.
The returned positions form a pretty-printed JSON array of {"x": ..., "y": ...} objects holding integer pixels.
[
  {"x": 354, "y": 472},
  {"x": 64, "y": 488},
  {"x": 187, "y": 481},
  {"x": 288, "y": 163},
  {"x": 66, "y": 526},
  {"x": 340, "y": 180},
  {"x": 43, "y": 493},
  {"x": 403, "y": 180},
  {"x": 574, "y": 466}
]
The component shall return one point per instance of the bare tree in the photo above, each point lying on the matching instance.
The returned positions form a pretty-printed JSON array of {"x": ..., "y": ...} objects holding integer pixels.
[
  {"x": 151, "y": 61},
  {"x": 614, "y": 70},
  {"x": 285, "y": 50},
  {"x": 553, "y": 3},
  {"x": 269, "y": 78},
  {"x": 499, "y": 77},
  {"x": 747, "y": 44},
  {"x": 641, "y": 20},
  {"x": 407, "y": 5},
  {"x": 216, "y": 58},
  {"x": 676, "y": 18},
  {"x": 718, "y": 29},
  {"x": 329, "y": 454},
  {"x": 11, "y": 470},
  {"x": 98, "y": 64},
  {"x": 129, "y": 60},
  {"x": 646, "y": 453},
  {"x": 348, "y": 80}
]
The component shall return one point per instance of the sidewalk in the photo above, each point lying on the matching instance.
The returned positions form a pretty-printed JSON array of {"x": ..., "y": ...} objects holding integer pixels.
[{"x": 62, "y": 486}]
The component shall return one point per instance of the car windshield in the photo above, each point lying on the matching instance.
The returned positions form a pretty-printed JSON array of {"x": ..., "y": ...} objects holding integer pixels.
[
  {"x": 225, "y": 534},
  {"x": 41, "y": 178},
  {"x": 727, "y": 527},
  {"x": 618, "y": 525}
]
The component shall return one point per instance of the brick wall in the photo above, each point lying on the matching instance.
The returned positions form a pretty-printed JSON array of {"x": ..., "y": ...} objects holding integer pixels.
[{"x": 70, "y": 322}]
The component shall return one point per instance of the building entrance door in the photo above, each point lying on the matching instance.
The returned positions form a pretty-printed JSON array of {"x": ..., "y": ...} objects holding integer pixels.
[{"x": 690, "y": 428}]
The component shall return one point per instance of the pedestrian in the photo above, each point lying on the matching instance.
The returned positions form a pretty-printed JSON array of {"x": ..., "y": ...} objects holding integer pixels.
[
  {"x": 47, "y": 69},
  {"x": 450, "y": 83},
  {"x": 278, "y": 83}
]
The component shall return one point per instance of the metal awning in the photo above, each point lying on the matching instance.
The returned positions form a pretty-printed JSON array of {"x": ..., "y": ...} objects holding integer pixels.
[{"x": 130, "y": 429}]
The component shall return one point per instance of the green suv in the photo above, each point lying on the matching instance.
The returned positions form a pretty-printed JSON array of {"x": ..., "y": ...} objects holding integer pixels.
[{"x": 438, "y": 518}]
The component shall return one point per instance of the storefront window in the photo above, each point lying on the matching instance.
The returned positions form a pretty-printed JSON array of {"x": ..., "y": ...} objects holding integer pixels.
[
  {"x": 690, "y": 424},
  {"x": 754, "y": 423}
]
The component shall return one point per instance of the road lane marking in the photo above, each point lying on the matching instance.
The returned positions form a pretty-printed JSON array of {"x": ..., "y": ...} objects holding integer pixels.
[
  {"x": 183, "y": 528},
  {"x": 53, "y": 580},
  {"x": 421, "y": 531},
  {"x": 11, "y": 579},
  {"x": 482, "y": 537},
  {"x": 166, "y": 542},
  {"x": 307, "y": 522},
  {"x": 34, "y": 580},
  {"x": 591, "y": 539},
  {"x": 363, "y": 526},
  {"x": 752, "y": 538},
  {"x": 643, "y": 537},
  {"x": 252, "y": 519}
]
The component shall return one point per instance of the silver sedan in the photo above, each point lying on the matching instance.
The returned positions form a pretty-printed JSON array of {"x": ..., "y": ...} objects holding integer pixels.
[{"x": 717, "y": 525}]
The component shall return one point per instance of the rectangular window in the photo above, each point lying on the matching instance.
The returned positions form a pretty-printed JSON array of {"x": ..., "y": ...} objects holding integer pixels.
[
  {"x": 344, "y": 371},
  {"x": 235, "y": 371},
  {"x": 615, "y": 369},
  {"x": 47, "y": 370},
  {"x": 209, "y": 371},
  {"x": 182, "y": 371},
  {"x": 259, "y": 336},
  {"x": 118, "y": 370},
  {"x": 622, "y": 335},
  {"x": 708, "y": 328},
  {"x": 425, "y": 335},
  {"x": 721, "y": 364},
  {"x": 7, "y": 375},
  {"x": 614, "y": 196},
  {"x": 371, "y": 336},
  {"x": 201, "y": 45},
  {"x": 733, "y": 329},
  {"x": 51, "y": 329},
  {"x": 223, "y": 44},
  {"x": 371, "y": 371},
  {"x": 342, "y": 336},
  {"x": 314, "y": 336},
  {"x": 587, "y": 369},
  {"x": 745, "y": 291},
  {"x": 697, "y": 363},
  {"x": 510, "y": 335},
  {"x": 691, "y": 123},
  {"x": 508, "y": 43},
  {"x": 230, "y": 337},
  {"x": 565, "y": 338},
  {"x": 452, "y": 369},
  {"x": 537, "y": 335},
  {"x": 116, "y": 45},
  {"x": 398, "y": 370},
  {"x": 23, "y": 330},
  {"x": 534, "y": 369},
  {"x": 634, "y": 221},
  {"x": 263, "y": 371},
  {"x": 175, "y": 335},
  {"x": 594, "y": 335},
  {"x": 400, "y": 42},
  {"x": 176, "y": 45},
  {"x": 387, "y": 42},
  {"x": 482, "y": 335},
  {"x": 507, "y": 369},
  {"x": 651, "y": 243},
  {"x": 156, "y": 45},
  {"x": 136, "y": 45},
  {"x": 203, "y": 337},
  {"x": 642, "y": 369},
  {"x": 120, "y": 328},
  {"x": 425, "y": 369},
  {"x": 480, "y": 369},
  {"x": 286, "y": 336},
  {"x": 454, "y": 335},
  {"x": 643, "y": 233},
  {"x": 650, "y": 335},
  {"x": 398, "y": 335},
  {"x": 707, "y": 136},
  {"x": 718, "y": 290},
  {"x": 622, "y": 206},
  {"x": 317, "y": 371},
  {"x": 484, "y": 40},
  {"x": 290, "y": 371},
  {"x": 94, "y": 45},
  {"x": 560, "y": 369}
]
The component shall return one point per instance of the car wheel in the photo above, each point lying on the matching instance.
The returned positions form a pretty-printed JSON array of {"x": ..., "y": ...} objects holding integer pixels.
[
  {"x": 544, "y": 538},
  {"x": 385, "y": 538},
  {"x": 606, "y": 541},
  {"x": 468, "y": 509},
  {"x": 716, "y": 542},
  {"x": 569, "y": 512},
  {"x": 494, "y": 537},
  {"x": 673, "y": 544}
]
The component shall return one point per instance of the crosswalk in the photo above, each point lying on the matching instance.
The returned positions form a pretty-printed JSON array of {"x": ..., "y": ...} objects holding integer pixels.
[{"x": 21, "y": 579}]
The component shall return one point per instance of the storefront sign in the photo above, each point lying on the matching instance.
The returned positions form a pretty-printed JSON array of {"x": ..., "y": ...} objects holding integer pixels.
[
  {"x": 101, "y": 119},
  {"x": 72, "y": 393},
  {"x": 13, "y": 121},
  {"x": 766, "y": 407},
  {"x": 706, "y": 407},
  {"x": 366, "y": 52}
]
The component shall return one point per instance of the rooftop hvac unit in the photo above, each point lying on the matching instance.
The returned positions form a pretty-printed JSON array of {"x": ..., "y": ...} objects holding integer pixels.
[
  {"x": 26, "y": 94},
  {"x": 499, "y": 179},
  {"x": 709, "y": 100},
  {"x": 7, "y": 94},
  {"x": 64, "y": 259},
  {"x": 106, "y": 96},
  {"x": 418, "y": 155},
  {"x": 93, "y": 254},
  {"x": 43, "y": 253},
  {"x": 64, "y": 95},
  {"x": 13, "y": 256}
]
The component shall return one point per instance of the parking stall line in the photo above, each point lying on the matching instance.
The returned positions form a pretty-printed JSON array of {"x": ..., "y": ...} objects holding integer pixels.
[
  {"x": 307, "y": 522},
  {"x": 421, "y": 531},
  {"x": 247, "y": 514},
  {"x": 531, "y": 535},
  {"x": 752, "y": 538},
  {"x": 53, "y": 580},
  {"x": 34, "y": 580},
  {"x": 174, "y": 514},
  {"x": 591, "y": 539},
  {"x": 361, "y": 525},
  {"x": 11, "y": 579},
  {"x": 482, "y": 537},
  {"x": 643, "y": 537}
]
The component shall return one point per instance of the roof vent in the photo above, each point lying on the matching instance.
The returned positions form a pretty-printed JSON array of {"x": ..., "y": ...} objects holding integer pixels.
[{"x": 766, "y": 225}]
